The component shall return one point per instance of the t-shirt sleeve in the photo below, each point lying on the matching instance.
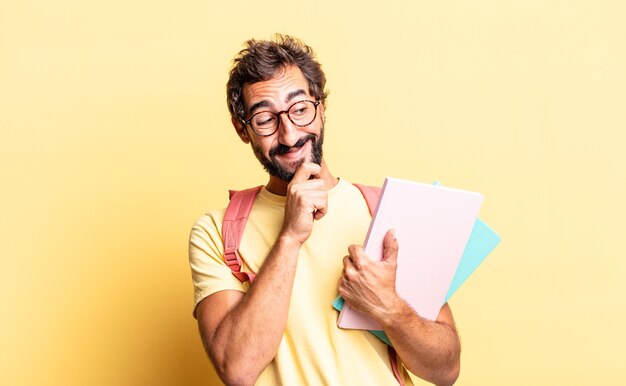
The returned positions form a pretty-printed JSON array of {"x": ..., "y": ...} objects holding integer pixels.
[{"x": 209, "y": 271}]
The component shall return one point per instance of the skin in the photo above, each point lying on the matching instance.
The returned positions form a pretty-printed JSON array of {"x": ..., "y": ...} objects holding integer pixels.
[
  {"x": 430, "y": 350},
  {"x": 241, "y": 333}
]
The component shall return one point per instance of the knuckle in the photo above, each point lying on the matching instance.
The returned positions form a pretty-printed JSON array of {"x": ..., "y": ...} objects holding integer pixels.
[
  {"x": 342, "y": 291},
  {"x": 298, "y": 195}
]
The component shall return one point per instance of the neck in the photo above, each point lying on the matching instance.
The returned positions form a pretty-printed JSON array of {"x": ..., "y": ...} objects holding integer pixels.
[{"x": 277, "y": 186}]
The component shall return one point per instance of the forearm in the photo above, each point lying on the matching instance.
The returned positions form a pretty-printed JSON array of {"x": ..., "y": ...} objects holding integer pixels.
[
  {"x": 247, "y": 339},
  {"x": 430, "y": 350}
]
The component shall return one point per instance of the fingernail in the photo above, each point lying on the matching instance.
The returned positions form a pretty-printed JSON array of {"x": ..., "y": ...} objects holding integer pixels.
[{"x": 393, "y": 233}]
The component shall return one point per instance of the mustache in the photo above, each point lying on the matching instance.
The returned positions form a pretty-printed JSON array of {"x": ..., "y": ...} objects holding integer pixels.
[{"x": 282, "y": 149}]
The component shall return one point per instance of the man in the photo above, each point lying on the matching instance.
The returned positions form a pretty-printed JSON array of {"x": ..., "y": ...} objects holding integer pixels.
[{"x": 281, "y": 330}]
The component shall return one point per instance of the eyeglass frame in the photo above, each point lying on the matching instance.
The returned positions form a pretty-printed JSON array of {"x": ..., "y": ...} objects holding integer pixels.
[{"x": 278, "y": 114}]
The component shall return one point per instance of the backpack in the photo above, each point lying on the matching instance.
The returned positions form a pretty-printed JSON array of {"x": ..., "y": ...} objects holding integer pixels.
[{"x": 234, "y": 222}]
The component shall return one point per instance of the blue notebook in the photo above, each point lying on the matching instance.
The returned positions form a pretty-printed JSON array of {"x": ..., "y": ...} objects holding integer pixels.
[{"x": 481, "y": 242}]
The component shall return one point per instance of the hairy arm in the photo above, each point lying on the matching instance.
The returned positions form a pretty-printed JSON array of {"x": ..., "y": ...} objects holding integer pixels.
[
  {"x": 242, "y": 332},
  {"x": 429, "y": 349}
]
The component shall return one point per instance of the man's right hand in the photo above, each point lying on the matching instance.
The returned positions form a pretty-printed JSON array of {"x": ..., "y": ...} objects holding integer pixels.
[{"x": 306, "y": 201}]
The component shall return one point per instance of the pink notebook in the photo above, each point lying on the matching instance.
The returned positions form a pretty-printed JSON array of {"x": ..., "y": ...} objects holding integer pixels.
[{"x": 433, "y": 225}]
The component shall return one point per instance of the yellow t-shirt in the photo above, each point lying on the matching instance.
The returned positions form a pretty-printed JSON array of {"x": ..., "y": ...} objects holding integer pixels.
[{"x": 313, "y": 351}]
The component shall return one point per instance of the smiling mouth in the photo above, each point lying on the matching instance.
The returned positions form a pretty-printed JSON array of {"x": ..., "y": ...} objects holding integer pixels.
[
  {"x": 294, "y": 152},
  {"x": 282, "y": 149}
]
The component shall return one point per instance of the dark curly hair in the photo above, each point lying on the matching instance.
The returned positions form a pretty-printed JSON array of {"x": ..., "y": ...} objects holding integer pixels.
[{"x": 261, "y": 59}]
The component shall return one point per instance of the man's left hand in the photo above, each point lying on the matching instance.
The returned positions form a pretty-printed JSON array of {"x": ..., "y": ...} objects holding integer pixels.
[{"x": 367, "y": 285}]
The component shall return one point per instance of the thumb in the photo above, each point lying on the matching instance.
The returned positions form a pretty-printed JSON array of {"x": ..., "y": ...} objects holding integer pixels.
[{"x": 390, "y": 246}]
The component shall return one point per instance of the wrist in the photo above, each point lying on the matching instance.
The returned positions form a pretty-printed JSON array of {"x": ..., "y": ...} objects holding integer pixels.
[
  {"x": 287, "y": 240},
  {"x": 396, "y": 310}
]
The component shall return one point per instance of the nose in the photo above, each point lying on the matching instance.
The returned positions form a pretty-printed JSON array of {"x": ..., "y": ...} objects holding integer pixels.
[{"x": 287, "y": 131}]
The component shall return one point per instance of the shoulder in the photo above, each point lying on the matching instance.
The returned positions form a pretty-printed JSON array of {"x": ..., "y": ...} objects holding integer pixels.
[
  {"x": 207, "y": 225},
  {"x": 346, "y": 187},
  {"x": 205, "y": 237},
  {"x": 209, "y": 271},
  {"x": 358, "y": 192},
  {"x": 211, "y": 220}
]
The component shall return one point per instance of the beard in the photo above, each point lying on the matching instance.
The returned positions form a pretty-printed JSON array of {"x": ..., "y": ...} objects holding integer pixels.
[{"x": 274, "y": 168}]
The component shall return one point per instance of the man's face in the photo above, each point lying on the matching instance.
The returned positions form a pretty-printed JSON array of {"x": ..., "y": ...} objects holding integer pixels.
[{"x": 284, "y": 151}]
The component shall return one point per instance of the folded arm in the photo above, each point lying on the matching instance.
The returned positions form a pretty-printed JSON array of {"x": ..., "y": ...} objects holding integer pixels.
[
  {"x": 242, "y": 332},
  {"x": 429, "y": 349}
]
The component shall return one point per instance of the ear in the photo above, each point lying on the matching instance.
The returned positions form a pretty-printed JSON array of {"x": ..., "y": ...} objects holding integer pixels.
[
  {"x": 240, "y": 128},
  {"x": 321, "y": 109}
]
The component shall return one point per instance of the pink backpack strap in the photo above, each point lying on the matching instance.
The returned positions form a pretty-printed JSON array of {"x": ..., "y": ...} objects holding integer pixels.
[
  {"x": 393, "y": 358},
  {"x": 371, "y": 194},
  {"x": 234, "y": 222}
]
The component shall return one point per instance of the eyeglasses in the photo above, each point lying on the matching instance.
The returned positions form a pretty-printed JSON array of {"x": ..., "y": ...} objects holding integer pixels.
[{"x": 265, "y": 123}]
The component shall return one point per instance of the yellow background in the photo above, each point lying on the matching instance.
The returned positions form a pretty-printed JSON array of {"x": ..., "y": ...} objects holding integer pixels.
[{"x": 115, "y": 137}]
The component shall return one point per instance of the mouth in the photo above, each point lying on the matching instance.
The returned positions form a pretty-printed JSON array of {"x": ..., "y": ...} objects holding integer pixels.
[
  {"x": 296, "y": 152},
  {"x": 282, "y": 161}
]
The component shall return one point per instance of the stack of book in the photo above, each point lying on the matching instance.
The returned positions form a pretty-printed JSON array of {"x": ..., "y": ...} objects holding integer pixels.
[{"x": 442, "y": 242}]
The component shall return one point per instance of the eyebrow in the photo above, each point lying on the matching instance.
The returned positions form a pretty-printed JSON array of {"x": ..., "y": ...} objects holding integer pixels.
[
  {"x": 258, "y": 105},
  {"x": 265, "y": 103},
  {"x": 294, "y": 94}
]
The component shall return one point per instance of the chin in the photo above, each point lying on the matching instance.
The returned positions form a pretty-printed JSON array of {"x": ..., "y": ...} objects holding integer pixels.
[{"x": 285, "y": 171}]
